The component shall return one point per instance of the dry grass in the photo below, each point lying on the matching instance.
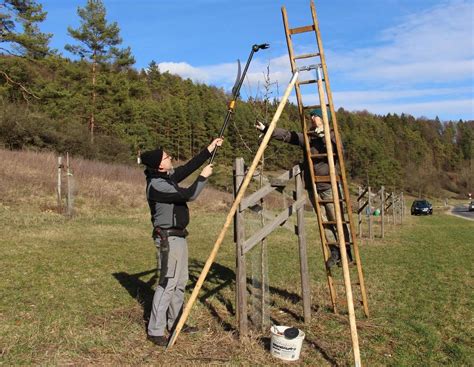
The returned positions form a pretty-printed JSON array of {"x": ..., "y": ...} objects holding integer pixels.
[
  {"x": 28, "y": 177},
  {"x": 78, "y": 292}
]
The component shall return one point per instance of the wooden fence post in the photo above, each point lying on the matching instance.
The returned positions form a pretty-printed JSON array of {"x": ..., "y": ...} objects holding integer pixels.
[
  {"x": 68, "y": 183},
  {"x": 393, "y": 208},
  {"x": 241, "y": 273},
  {"x": 359, "y": 214},
  {"x": 402, "y": 207},
  {"x": 58, "y": 189}
]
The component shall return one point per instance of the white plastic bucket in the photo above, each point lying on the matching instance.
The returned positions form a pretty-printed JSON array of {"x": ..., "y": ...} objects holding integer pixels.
[{"x": 284, "y": 348}]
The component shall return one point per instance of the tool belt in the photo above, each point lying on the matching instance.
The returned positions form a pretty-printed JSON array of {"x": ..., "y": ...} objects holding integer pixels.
[
  {"x": 163, "y": 234},
  {"x": 171, "y": 232}
]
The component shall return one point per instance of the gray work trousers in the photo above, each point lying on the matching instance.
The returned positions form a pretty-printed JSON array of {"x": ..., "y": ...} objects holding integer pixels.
[
  {"x": 328, "y": 214},
  {"x": 169, "y": 294}
]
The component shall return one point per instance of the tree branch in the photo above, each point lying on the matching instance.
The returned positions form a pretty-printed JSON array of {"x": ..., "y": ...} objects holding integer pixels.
[{"x": 23, "y": 89}]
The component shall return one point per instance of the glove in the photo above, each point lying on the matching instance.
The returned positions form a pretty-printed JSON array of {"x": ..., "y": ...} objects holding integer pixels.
[
  {"x": 260, "y": 126},
  {"x": 319, "y": 131}
]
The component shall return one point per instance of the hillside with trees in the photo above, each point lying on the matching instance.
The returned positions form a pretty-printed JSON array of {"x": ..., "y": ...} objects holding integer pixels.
[{"x": 97, "y": 105}]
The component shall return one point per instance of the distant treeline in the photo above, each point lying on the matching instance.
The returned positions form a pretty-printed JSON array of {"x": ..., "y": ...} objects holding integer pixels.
[{"x": 53, "y": 103}]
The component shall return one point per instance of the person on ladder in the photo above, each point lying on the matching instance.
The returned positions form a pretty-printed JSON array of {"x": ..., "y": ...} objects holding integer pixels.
[{"x": 321, "y": 168}]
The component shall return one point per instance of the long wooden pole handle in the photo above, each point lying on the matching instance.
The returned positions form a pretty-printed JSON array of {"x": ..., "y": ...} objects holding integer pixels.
[
  {"x": 340, "y": 229},
  {"x": 232, "y": 211}
]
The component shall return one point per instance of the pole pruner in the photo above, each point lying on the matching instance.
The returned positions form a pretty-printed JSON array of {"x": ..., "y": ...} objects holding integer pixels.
[{"x": 236, "y": 91}]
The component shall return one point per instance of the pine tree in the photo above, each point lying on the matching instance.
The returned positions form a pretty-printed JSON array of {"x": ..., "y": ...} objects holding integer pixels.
[
  {"x": 20, "y": 37},
  {"x": 98, "y": 41},
  {"x": 30, "y": 42}
]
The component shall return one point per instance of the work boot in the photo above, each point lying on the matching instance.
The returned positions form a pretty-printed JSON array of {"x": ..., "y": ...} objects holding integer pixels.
[
  {"x": 350, "y": 259},
  {"x": 160, "y": 340},
  {"x": 187, "y": 329}
]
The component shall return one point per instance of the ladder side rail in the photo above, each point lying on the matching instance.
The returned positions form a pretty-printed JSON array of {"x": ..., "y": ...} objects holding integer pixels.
[
  {"x": 341, "y": 159},
  {"x": 313, "y": 197},
  {"x": 339, "y": 225}
]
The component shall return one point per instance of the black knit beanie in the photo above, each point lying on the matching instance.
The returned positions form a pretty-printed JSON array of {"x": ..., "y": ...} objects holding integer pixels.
[{"x": 152, "y": 158}]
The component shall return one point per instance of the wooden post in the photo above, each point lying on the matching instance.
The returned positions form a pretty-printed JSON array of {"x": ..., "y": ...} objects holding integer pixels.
[
  {"x": 68, "y": 183},
  {"x": 305, "y": 287},
  {"x": 232, "y": 211},
  {"x": 241, "y": 273},
  {"x": 359, "y": 214},
  {"x": 396, "y": 207},
  {"x": 393, "y": 208},
  {"x": 382, "y": 210},
  {"x": 263, "y": 258},
  {"x": 369, "y": 211},
  {"x": 402, "y": 207},
  {"x": 58, "y": 189}
]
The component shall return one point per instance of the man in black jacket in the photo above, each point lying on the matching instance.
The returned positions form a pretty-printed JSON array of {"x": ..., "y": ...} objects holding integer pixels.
[
  {"x": 170, "y": 216},
  {"x": 321, "y": 168}
]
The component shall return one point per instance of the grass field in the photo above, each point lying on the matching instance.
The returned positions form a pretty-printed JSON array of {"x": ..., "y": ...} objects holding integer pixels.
[{"x": 77, "y": 292}]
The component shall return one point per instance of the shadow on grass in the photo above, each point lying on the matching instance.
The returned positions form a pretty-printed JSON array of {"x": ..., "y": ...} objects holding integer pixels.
[
  {"x": 219, "y": 278},
  {"x": 138, "y": 289}
]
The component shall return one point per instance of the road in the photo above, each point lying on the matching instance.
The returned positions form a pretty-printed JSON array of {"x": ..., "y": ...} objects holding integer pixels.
[{"x": 461, "y": 211}]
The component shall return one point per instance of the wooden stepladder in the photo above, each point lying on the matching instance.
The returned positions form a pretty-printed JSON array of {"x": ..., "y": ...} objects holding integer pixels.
[{"x": 337, "y": 176}]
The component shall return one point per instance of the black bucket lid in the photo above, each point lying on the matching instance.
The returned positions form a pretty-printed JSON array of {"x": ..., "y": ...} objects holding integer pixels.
[{"x": 291, "y": 333}]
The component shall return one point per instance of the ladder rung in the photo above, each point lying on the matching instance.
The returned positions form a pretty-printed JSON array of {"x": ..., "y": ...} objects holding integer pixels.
[
  {"x": 306, "y": 56},
  {"x": 312, "y": 132},
  {"x": 311, "y": 81},
  {"x": 325, "y": 179},
  {"x": 329, "y": 201},
  {"x": 333, "y": 222},
  {"x": 306, "y": 28},
  {"x": 321, "y": 155},
  {"x": 337, "y": 243},
  {"x": 314, "y": 106}
]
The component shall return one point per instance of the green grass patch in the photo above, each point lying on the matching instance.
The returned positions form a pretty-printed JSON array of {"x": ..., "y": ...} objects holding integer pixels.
[{"x": 77, "y": 291}]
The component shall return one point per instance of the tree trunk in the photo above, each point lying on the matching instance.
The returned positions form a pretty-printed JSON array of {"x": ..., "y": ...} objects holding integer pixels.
[{"x": 92, "y": 117}]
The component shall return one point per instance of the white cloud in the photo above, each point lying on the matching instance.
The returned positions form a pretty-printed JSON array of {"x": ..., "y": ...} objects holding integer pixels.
[
  {"x": 447, "y": 103},
  {"x": 447, "y": 109},
  {"x": 224, "y": 74},
  {"x": 368, "y": 96},
  {"x": 403, "y": 71},
  {"x": 212, "y": 74},
  {"x": 436, "y": 45}
]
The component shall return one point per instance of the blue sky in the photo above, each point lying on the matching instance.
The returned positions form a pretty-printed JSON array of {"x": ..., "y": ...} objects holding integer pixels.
[{"x": 384, "y": 56}]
